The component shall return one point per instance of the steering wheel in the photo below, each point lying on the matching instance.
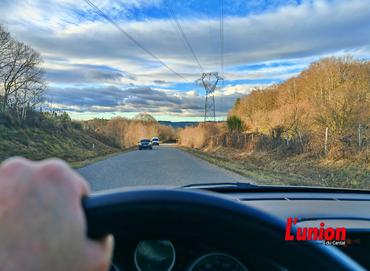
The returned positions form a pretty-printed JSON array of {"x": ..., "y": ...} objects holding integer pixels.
[{"x": 162, "y": 213}]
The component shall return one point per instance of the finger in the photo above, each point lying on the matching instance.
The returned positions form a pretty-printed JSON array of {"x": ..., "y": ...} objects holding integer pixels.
[
  {"x": 14, "y": 165},
  {"x": 60, "y": 170},
  {"x": 14, "y": 173},
  {"x": 100, "y": 253}
]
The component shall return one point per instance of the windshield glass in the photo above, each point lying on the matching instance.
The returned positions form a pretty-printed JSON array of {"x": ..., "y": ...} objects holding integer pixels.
[{"x": 264, "y": 92}]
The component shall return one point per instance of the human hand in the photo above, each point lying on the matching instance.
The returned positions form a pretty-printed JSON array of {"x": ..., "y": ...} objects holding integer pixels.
[{"x": 42, "y": 224}]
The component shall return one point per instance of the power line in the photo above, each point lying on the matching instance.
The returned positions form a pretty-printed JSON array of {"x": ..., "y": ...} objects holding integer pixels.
[
  {"x": 102, "y": 14},
  {"x": 183, "y": 34},
  {"x": 222, "y": 37}
]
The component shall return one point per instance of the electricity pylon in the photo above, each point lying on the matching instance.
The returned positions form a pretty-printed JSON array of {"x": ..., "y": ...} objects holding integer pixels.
[{"x": 209, "y": 81}]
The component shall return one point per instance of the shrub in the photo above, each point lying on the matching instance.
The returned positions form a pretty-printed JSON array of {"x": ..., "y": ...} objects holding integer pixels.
[
  {"x": 235, "y": 124},
  {"x": 331, "y": 93},
  {"x": 199, "y": 136},
  {"x": 127, "y": 132}
]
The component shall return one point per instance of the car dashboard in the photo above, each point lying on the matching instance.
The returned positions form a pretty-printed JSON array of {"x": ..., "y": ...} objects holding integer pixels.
[
  {"x": 194, "y": 253},
  {"x": 185, "y": 254}
]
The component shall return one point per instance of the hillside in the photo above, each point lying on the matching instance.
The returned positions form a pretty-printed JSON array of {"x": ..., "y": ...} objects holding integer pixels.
[
  {"x": 323, "y": 110},
  {"x": 28, "y": 126},
  {"x": 312, "y": 129},
  {"x": 72, "y": 144}
]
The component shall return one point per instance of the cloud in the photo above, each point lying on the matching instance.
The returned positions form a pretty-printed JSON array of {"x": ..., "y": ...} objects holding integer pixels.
[
  {"x": 70, "y": 73},
  {"x": 136, "y": 99},
  {"x": 160, "y": 82},
  {"x": 311, "y": 28},
  {"x": 91, "y": 65}
]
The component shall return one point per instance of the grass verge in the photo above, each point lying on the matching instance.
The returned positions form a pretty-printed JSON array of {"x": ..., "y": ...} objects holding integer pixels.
[
  {"x": 77, "y": 147},
  {"x": 80, "y": 164},
  {"x": 84, "y": 163},
  {"x": 267, "y": 168}
]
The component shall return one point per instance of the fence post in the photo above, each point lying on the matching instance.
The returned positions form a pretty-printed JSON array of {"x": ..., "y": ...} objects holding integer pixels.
[
  {"x": 300, "y": 141},
  {"x": 359, "y": 136},
  {"x": 326, "y": 140},
  {"x": 300, "y": 138}
]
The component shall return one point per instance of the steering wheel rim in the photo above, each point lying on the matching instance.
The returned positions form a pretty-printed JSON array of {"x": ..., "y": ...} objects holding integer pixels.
[{"x": 156, "y": 212}]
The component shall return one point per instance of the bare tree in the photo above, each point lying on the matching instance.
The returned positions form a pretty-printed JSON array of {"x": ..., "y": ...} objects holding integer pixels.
[
  {"x": 22, "y": 79},
  {"x": 29, "y": 97},
  {"x": 5, "y": 45}
]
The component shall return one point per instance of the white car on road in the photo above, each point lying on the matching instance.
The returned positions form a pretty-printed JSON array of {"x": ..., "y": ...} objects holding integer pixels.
[{"x": 155, "y": 141}]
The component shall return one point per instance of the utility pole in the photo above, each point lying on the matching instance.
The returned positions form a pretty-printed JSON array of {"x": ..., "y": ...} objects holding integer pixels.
[{"x": 209, "y": 81}]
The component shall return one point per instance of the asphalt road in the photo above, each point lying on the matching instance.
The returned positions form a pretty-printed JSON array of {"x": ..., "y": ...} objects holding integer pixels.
[{"x": 164, "y": 165}]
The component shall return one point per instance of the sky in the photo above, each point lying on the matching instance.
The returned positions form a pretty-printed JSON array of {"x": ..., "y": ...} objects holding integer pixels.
[{"x": 94, "y": 70}]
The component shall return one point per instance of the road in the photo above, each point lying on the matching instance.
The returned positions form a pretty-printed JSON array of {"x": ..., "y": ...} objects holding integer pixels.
[{"x": 164, "y": 165}]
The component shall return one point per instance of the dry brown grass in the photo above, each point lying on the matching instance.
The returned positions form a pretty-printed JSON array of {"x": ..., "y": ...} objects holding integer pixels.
[
  {"x": 284, "y": 136},
  {"x": 332, "y": 93},
  {"x": 270, "y": 168},
  {"x": 128, "y": 132},
  {"x": 198, "y": 136}
]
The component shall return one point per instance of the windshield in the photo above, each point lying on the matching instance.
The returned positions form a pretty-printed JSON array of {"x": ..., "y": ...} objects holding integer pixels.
[{"x": 262, "y": 92}]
